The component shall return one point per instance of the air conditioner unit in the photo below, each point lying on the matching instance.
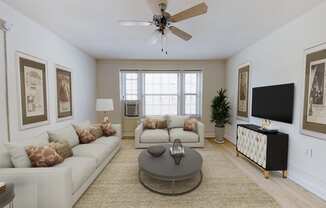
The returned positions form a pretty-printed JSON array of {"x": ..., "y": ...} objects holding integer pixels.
[{"x": 131, "y": 109}]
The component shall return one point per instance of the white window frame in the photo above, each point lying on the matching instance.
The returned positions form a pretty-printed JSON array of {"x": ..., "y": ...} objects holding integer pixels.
[{"x": 180, "y": 94}]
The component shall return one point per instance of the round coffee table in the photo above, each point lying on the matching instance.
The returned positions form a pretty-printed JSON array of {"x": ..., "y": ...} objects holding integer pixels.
[{"x": 161, "y": 174}]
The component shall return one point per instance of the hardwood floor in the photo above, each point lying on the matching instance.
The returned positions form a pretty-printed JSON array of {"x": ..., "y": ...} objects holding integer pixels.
[{"x": 287, "y": 193}]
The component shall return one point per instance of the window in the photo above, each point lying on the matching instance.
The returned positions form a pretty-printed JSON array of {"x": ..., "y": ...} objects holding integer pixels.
[
  {"x": 191, "y": 93},
  {"x": 163, "y": 92},
  {"x": 130, "y": 91},
  {"x": 160, "y": 93}
]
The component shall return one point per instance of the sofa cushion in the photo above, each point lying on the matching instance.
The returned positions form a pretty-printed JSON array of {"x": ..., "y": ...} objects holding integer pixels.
[
  {"x": 5, "y": 161},
  {"x": 83, "y": 124},
  {"x": 64, "y": 134},
  {"x": 96, "y": 151},
  {"x": 184, "y": 136},
  {"x": 112, "y": 141},
  {"x": 81, "y": 167},
  {"x": 154, "y": 136},
  {"x": 176, "y": 121}
]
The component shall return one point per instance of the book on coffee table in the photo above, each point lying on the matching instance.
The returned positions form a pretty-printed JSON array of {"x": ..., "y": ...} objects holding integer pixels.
[{"x": 2, "y": 187}]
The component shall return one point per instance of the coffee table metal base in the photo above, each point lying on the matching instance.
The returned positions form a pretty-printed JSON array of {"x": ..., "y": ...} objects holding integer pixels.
[{"x": 169, "y": 187}]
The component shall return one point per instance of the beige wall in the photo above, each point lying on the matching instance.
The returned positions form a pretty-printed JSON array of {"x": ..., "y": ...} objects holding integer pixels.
[{"x": 108, "y": 84}]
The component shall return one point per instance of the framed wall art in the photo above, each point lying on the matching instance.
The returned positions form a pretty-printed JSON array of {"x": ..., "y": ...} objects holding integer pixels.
[
  {"x": 243, "y": 91},
  {"x": 64, "y": 92},
  {"x": 33, "y": 90},
  {"x": 314, "y": 111}
]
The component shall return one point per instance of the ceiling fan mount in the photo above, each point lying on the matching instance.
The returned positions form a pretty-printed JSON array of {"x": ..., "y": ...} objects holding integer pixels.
[{"x": 163, "y": 21}]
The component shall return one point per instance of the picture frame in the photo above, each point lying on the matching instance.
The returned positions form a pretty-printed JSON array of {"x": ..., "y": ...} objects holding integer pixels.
[
  {"x": 243, "y": 91},
  {"x": 314, "y": 93},
  {"x": 64, "y": 93},
  {"x": 33, "y": 91}
]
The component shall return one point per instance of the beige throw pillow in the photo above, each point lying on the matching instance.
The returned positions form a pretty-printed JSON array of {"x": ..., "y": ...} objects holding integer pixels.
[
  {"x": 62, "y": 148},
  {"x": 149, "y": 123},
  {"x": 96, "y": 130}
]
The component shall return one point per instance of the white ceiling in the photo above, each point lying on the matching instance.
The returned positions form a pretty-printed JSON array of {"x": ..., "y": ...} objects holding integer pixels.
[{"x": 229, "y": 26}]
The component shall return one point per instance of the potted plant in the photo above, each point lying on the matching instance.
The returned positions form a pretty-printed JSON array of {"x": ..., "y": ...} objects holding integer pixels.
[{"x": 220, "y": 114}]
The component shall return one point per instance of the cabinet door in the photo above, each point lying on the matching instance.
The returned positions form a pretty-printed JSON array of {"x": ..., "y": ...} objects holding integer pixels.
[{"x": 261, "y": 150}]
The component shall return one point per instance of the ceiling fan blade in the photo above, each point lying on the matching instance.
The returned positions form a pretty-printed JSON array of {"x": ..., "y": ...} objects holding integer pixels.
[
  {"x": 180, "y": 33},
  {"x": 189, "y": 13},
  {"x": 134, "y": 23}
]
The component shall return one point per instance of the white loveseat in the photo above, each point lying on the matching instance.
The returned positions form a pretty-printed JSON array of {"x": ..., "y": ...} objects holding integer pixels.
[
  {"x": 60, "y": 186},
  {"x": 147, "y": 137}
]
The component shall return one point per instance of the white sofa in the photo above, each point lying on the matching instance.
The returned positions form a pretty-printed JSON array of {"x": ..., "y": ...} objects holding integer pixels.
[
  {"x": 60, "y": 186},
  {"x": 147, "y": 137}
]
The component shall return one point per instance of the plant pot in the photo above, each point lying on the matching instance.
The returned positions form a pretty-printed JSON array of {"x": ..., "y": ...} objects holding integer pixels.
[{"x": 219, "y": 134}]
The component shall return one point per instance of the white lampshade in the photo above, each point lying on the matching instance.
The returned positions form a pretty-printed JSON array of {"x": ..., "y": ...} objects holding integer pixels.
[{"x": 104, "y": 104}]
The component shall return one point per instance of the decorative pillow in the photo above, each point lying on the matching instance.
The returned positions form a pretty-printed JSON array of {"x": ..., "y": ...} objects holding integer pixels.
[
  {"x": 17, "y": 151},
  {"x": 161, "y": 124},
  {"x": 177, "y": 121},
  {"x": 149, "y": 123},
  {"x": 43, "y": 156},
  {"x": 96, "y": 130},
  {"x": 18, "y": 156},
  {"x": 107, "y": 129},
  {"x": 62, "y": 148},
  {"x": 190, "y": 124},
  {"x": 5, "y": 161},
  {"x": 64, "y": 134},
  {"x": 85, "y": 136}
]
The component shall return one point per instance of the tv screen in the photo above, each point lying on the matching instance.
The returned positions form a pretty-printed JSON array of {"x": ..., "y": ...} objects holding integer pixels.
[{"x": 273, "y": 102}]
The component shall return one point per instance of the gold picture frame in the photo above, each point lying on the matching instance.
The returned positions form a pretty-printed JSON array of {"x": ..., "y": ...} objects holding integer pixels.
[
  {"x": 243, "y": 91},
  {"x": 33, "y": 90},
  {"x": 314, "y": 110},
  {"x": 64, "y": 93}
]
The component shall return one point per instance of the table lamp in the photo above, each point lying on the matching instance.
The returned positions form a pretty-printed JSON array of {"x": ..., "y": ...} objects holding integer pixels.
[{"x": 104, "y": 105}]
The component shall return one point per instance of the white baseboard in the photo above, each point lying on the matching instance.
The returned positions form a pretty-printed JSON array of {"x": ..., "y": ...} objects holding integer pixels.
[
  {"x": 301, "y": 177},
  {"x": 307, "y": 181}
]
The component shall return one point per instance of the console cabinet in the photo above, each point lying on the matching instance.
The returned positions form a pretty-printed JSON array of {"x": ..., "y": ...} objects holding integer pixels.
[{"x": 267, "y": 150}]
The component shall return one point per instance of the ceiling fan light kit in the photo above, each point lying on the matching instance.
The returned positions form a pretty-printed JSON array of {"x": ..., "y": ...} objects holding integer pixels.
[{"x": 163, "y": 21}]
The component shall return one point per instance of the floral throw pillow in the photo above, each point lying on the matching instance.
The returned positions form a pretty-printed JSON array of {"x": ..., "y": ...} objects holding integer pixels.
[
  {"x": 85, "y": 136},
  {"x": 107, "y": 129},
  {"x": 190, "y": 124},
  {"x": 44, "y": 156},
  {"x": 149, "y": 123}
]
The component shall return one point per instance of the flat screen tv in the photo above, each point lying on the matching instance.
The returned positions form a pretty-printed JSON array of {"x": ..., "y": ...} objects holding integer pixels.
[{"x": 274, "y": 102}]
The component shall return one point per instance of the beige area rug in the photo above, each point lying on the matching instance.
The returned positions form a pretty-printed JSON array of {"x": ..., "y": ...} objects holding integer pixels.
[{"x": 223, "y": 186}]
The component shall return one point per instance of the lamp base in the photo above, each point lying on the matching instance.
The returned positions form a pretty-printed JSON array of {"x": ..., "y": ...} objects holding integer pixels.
[{"x": 106, "y": 119}]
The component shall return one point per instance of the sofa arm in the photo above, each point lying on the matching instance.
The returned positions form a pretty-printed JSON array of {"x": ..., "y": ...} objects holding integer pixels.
[
  {"x": 201, "y": 132},
  {"x": 40, "y": 187},
  {"x": 139, "y": 130},
  {"x": 117, "y": 128}
]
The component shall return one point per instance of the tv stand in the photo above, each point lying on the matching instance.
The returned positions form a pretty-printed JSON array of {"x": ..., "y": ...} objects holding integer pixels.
[{"x": 268, "y": 150}]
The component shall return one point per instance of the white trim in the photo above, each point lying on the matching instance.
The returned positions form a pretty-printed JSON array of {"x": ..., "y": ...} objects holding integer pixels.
[
  {"x": 20, "y": 54},
  {"x": 56, "y": 93},
  {"x": 316, "y": 135}
]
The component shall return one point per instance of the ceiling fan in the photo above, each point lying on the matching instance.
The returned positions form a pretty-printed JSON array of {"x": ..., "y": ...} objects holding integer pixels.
[{"x": 163, "y": 21}]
